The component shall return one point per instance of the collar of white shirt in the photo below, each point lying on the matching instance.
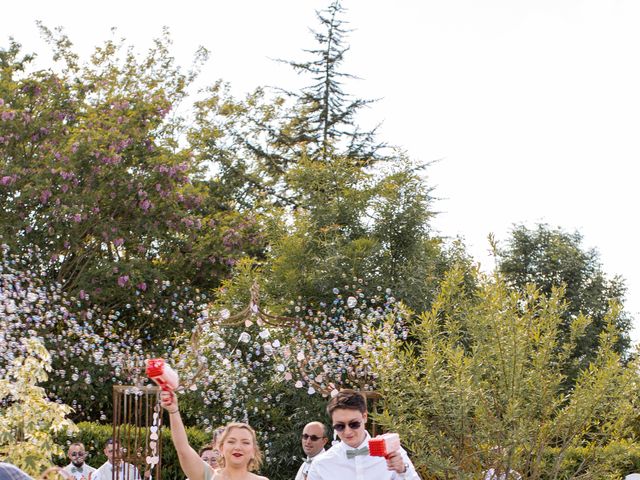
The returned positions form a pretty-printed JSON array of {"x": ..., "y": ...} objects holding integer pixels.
[{"x": 344, "y": 447}]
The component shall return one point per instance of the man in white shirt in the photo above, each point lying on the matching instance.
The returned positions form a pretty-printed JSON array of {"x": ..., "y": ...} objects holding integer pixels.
[
  {"x": 314, "y": 438},
  {"x": 125, "y": 471},
  {"x": 350, "y": 459},
  {"x": 78, "y": 468}
]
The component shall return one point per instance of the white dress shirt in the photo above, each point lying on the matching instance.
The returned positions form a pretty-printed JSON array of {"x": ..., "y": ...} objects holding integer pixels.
[
  {"x": 306, "y": 465},
  {"x": 334, "y": 465},
  {"x": 127, "y": 472},
  {"x": 79, "y": 472}
]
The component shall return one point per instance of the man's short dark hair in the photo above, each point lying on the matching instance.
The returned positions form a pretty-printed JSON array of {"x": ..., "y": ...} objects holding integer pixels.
[
  {"x": 349, "y": 400},
  {"x": 206, "y": 448}
]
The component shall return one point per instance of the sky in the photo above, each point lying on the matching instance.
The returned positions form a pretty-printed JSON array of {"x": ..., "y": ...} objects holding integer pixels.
[{"x": 530, "y": 110}]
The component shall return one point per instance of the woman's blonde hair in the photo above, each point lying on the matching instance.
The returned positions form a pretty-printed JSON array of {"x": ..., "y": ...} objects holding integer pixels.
[{"x": 256, "y": 461}]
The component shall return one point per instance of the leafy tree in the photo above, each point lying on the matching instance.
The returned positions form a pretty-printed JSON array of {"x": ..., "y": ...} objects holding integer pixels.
[
  {"x": 29, "y": 421},
  {"x": 256, "y": 142},
  {"x": 336, "y": 204},
  {"x": 483, "y": 386},
  {"x": 92, "y": 174},
  {"x": 325, "y": 122},
  {"x": 552, "y": 258}
]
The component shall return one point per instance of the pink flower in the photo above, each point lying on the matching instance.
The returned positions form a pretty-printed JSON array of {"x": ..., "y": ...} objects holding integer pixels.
[
  {"x": 44, "y": 196},
  {"x": 123, "y": 280},
  {"x": 6, "y": 180},
  {"x": 77, "y": 218},
  {"x": 118, "y": 241},
  {"x": 142, "y": 286}
]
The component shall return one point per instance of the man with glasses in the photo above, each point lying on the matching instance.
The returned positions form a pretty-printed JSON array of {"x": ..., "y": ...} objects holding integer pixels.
[
  {"x": 350, "y": 459},
  {"x": 314, "y": 438},
  {"x": 78, "y": 468},
  {"x": 109, "y": 471}
]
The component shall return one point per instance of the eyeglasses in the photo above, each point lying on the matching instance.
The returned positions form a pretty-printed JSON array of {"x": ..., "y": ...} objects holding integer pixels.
[
  {"x": 355, "y": 425},
  {"x": 77, "y": 454},
  {"x": 313, "y": 438}
]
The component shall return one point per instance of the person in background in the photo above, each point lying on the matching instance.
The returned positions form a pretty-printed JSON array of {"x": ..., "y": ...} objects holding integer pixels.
[
  {"x": 78, "y": 468},
  {"x": 210, "y": 455},
  {"x": 105, "y": 472},
  {"x": 314, "y": 438}
]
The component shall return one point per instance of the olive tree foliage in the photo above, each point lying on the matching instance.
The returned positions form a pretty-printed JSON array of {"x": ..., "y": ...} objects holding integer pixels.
[
  {"x": 482, "y": 386},
  {"x": 550, "y": 257}
]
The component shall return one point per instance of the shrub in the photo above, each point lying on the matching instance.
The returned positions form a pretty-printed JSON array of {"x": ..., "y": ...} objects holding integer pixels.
[{"x": 94, "y": 436}]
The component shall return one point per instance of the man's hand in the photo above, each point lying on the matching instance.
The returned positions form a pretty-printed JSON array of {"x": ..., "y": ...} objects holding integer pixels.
[{"x": 395, "y": 462}]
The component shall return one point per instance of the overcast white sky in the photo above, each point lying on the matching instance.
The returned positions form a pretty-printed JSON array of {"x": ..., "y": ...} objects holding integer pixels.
[{"x": 533, "y": 106}]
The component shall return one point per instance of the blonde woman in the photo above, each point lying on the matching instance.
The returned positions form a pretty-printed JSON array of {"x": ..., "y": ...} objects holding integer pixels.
[{"x": 240, "y": 454}]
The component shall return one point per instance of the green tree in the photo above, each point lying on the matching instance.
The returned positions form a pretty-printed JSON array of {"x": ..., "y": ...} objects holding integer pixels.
[
  {"x": 482, "y": 386},
  {"x": 104, "y": 206},
  {"x": 325, "y": 125},
  {"x": 256, "y": 142},
  {"x": 92, "y": 175},
  {"x": 552, "y": 258},
  {"x": 336, "y": 204}
]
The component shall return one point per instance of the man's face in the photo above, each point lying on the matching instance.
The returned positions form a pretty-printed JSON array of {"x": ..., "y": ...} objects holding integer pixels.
[
  {"x": 76, "y": 454},
  {"x": 349, "y": 425},
  {"x": 313, "y": 439},
  {"x": 109, "y": 451}
]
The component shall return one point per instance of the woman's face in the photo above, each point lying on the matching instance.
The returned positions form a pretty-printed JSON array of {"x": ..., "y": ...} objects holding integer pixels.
[
  {"x": 238, "y": 448},
  {"x": 211, "y": 457}
]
